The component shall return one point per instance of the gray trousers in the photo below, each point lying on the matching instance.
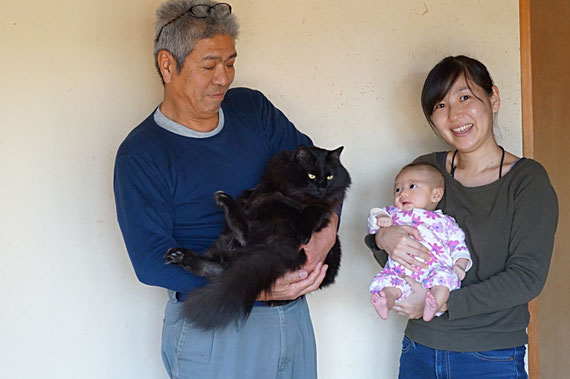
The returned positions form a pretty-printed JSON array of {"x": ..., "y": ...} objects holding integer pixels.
[{"x": 274, "y": 342}]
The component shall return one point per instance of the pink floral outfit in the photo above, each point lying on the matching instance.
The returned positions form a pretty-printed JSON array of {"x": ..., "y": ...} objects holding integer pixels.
[{"x": 440, "y": 234}]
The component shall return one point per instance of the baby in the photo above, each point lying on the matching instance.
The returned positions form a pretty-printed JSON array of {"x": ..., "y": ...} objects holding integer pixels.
[{"x": 418, "y": 188}]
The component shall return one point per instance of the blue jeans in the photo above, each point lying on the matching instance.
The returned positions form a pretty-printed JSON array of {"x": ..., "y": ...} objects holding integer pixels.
[{"x": 419, "y": 361}]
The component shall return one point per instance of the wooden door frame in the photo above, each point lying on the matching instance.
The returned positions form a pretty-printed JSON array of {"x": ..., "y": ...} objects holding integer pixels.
[
  {"x": 528, "y": 151},
  {"x": 526, "y": 78}
]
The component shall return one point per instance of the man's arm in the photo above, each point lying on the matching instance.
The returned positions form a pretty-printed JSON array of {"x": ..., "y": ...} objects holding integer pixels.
[{"x": 145, "y": 217}]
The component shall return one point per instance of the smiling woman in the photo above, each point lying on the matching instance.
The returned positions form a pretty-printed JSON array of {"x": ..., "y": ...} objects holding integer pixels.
[
  {"x": 509, "y": 212},
  {"x": 464, "y": 113},
  {"x": 460, "y": 100}
]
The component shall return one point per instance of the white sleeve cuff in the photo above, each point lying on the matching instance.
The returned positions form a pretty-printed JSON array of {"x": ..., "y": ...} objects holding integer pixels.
[
  {"x": 463, "y": 254},
  {"x": 372, "y": 223}
]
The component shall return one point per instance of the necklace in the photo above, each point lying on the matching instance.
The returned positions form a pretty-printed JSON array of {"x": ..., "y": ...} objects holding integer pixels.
[{"x": 453, "y": 167}]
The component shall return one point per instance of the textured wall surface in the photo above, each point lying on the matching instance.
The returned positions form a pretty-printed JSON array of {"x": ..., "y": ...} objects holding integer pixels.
[{"x": 79, "y": 75}]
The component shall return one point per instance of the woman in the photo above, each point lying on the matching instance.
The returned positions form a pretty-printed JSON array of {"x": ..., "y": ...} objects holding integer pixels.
[{"x": 509, "y": 211}]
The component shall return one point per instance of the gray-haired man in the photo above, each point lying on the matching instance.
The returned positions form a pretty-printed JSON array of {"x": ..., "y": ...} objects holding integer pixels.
[{"x": 202, "y": 138}]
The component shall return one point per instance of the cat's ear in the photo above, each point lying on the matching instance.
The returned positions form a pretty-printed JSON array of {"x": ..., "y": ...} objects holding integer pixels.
[
  {"x": 336, "y": 152},
  {"x": 302, "y": 154}
]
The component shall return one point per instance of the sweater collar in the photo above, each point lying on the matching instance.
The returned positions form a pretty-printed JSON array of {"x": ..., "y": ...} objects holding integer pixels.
[{"x": 176, "y": 128}]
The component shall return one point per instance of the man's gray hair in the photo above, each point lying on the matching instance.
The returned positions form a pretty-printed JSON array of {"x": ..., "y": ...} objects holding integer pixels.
[{"x": 180, "y": 37}]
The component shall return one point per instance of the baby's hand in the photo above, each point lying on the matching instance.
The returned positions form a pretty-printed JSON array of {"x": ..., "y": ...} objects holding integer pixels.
[
  {"x": 384, "y": 221},
  {"x": 460, "y": 272}
]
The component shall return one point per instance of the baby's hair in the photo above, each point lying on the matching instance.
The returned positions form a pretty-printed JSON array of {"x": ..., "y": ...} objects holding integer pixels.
[{"x": 436, "y": 176}]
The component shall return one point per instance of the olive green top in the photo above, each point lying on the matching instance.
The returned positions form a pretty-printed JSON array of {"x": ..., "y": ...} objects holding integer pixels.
[{"x": 509, "y": 226}]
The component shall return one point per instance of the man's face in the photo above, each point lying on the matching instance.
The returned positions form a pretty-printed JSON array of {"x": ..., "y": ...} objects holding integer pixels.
[{"x": 207, "y": 73}]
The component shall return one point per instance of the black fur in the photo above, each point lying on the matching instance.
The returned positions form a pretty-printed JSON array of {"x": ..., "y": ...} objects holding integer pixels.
[{"x": 265, "y": 228}]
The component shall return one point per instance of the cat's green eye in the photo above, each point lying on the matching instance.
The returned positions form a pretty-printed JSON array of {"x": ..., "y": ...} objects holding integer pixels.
[
  {"x": 330, "y": 177},
  {"x": 311, "y": 176}
]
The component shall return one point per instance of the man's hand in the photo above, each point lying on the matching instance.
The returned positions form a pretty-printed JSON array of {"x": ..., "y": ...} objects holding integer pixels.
[
  {"x": 297, "y": 283},
  {"x": 294, "y": 284},
  {"x": 320, "y": 244}
]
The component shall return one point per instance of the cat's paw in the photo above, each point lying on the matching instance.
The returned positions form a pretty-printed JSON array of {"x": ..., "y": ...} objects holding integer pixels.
[
  {"x": 174, "y": 256},
  {"x": 221, "y": 198}
]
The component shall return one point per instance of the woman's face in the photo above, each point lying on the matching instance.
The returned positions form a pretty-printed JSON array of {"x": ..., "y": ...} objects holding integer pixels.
[{"x": 464, "y": 117}]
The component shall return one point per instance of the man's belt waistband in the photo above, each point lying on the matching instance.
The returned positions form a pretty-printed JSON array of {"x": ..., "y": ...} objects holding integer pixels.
[{"x": 181, "y": 296}]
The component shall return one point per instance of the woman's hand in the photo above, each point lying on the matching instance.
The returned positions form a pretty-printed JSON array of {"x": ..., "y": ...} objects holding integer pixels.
[
  {"x": 296, "y": 283},
  {"x": 412, "y": 307},
  {"x": 397, "y": 241}
]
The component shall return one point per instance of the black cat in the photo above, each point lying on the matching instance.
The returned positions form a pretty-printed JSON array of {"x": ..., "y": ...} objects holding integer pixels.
[{"x": 265, "y": 228}]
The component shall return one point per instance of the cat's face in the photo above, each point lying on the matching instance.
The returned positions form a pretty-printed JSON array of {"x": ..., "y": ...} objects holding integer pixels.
[{"x": 319, "y": 172}]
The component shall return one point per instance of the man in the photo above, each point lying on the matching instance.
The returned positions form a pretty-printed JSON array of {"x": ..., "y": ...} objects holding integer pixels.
[{"x": 203, "y": 138}]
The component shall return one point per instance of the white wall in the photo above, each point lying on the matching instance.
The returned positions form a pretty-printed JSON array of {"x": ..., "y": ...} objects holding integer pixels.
[{"x": 78, "y": 76}]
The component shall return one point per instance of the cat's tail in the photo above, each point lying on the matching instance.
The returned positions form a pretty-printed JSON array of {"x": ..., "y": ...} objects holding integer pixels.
[{"x": 231, "y": 296}]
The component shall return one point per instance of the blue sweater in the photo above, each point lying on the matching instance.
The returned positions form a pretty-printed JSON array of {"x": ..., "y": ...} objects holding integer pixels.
[{"x": 165, "y": 181}]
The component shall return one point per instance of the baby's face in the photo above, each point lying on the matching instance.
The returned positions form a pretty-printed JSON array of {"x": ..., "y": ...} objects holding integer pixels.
[{"x": 414, "y": 189}]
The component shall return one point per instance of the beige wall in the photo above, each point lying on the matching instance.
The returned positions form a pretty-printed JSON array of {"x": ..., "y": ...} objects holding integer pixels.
[{"x": 78, "y": 75}]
